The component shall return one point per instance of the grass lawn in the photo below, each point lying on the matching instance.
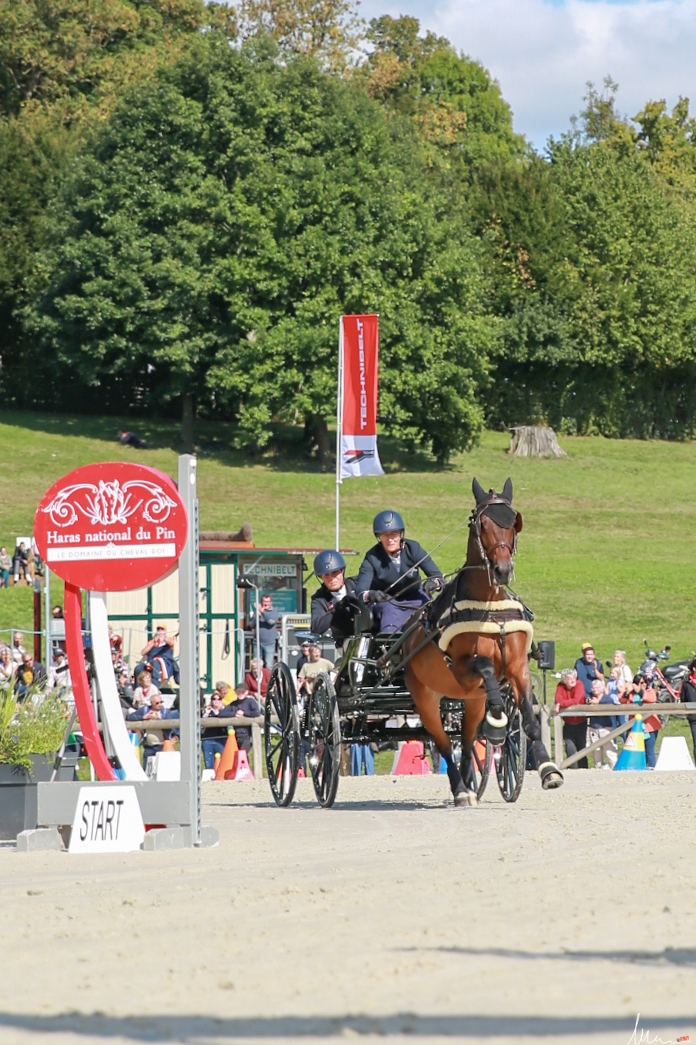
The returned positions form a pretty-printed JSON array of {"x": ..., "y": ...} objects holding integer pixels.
[{"x": 607, "y": 555}]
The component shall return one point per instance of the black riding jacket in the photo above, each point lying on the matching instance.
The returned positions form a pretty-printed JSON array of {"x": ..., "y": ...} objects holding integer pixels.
[
  {"x": 379, "y": 570},
  {"x": 327, "y": 614}
]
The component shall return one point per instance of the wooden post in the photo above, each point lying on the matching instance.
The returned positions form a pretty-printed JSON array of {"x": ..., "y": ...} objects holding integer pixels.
[
  {"x": 558, "y": 740},
  {"x": 257, "y": 750}
]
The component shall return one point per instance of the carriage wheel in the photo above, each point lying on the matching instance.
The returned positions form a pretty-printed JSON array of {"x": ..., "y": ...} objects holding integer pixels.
[
  {"x": 510, "y": 757},
  {"x": 481, "y": 761},
  {"x": 324, "y": 740},
  {"x": 281, "y": 737}
]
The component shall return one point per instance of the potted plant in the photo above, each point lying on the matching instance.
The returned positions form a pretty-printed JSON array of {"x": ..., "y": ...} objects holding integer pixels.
[{"x": 31, "y": 732}]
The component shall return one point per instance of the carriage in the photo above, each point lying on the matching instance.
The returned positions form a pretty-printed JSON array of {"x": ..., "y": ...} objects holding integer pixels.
[{"x": 368, "y": 702}]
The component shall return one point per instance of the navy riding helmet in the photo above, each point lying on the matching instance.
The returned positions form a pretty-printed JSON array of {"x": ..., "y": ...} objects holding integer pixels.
[
  {"x": 387, "y": 520},
  {"x": 328, "y": 561}
]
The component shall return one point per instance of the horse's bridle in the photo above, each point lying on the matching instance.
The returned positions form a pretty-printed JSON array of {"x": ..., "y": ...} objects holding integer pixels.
[{"x": 475, "y": 528}]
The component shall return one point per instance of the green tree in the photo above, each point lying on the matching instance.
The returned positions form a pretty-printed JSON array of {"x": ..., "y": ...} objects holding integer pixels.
[
  {"x": 66, "y": 51},
  {"x": 455, "y": 103},
  {"x": 224, "y": 219},
  {"x": 327, "y": 30},
  {"x": 63, "y": 64},
  {"x": 599, "y": 334}
]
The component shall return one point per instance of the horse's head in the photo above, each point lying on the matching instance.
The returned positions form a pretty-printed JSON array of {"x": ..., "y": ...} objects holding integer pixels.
[{"x": 494, "y": 526}]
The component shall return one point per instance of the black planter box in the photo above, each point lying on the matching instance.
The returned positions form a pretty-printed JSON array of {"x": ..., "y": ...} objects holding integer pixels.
[{"x": 18, "y": 807}]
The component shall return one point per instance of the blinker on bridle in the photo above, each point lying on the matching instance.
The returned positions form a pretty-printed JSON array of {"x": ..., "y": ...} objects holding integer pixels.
[{"x": 500, "y": 512}]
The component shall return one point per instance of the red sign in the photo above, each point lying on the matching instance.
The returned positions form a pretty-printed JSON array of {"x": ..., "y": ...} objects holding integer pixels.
[
  {"x": 111, "y": 527},
  {"x": 358, "y": 396}
]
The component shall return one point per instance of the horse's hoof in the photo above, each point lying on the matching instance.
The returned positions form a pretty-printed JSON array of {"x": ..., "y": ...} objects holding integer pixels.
[
  {"x": 466, "y": 799},
  {"x": 551, "y": 776},
  {"x": 495, "y": 729}
]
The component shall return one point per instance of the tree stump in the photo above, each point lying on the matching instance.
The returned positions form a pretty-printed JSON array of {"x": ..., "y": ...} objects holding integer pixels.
[{"x": 534, "y": 441}]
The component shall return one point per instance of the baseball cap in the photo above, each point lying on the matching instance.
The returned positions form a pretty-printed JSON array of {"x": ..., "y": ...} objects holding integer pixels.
[{"x": 586, "y": 645}]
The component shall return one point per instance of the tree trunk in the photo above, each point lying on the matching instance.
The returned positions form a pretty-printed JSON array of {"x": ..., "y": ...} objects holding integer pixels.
[
  {"x": 316, "y": 436},
  {"x": 535, "y": 441},
  {"x": 187, "y": 415}
]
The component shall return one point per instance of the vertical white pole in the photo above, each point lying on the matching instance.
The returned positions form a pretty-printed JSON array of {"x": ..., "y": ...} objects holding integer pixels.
[
  {"x": 189, "y": 711},
  {"x": 339, "y": 415},
  {"x": 48, "y": 618}
]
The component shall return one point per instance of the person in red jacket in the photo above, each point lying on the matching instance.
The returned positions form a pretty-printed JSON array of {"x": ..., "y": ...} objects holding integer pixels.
[
  {"x": 251, "y": 681},
  {"x": 571, "y": 691}
]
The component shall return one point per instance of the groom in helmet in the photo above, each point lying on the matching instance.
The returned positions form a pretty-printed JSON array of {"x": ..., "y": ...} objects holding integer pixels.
[
  {"x": 389, "y": 576},
  {"x": 331, "y": 611}
]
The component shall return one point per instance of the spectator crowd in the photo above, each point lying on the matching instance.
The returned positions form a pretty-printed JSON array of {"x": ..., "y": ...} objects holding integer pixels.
[{"x": 586, "y": 683}]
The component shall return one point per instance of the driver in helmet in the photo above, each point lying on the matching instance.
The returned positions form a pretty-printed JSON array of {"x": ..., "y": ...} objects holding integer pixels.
[
  {"x": 330, "y": 609},
  {"x": 389, "y": 575}
]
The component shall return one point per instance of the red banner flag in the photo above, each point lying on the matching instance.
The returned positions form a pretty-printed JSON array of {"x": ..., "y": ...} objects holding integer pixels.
[{"x": 357, "y": 396}]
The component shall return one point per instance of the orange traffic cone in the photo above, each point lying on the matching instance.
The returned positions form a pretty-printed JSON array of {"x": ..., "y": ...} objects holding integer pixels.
[
  {"x": 410, "y": 760},
  {"x": 241, "y": 770},
  {"x": 168, "y": 745},
  {"x": 227, "y": 759}
]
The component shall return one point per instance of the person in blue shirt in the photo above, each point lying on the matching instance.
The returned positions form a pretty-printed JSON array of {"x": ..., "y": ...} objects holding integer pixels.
[
  {"x": 588, "y": 667},
  {"x": 268, "y": 629}
]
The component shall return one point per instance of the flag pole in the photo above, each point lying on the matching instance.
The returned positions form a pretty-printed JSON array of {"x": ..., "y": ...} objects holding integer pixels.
[{"x": 339, "y": 413}]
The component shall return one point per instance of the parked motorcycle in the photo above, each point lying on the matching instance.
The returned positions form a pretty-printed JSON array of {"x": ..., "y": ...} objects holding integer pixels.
[{"x": 668, "y": 679}]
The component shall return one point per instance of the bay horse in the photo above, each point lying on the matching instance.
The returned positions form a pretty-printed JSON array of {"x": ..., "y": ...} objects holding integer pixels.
[{"x": 482, "y": 639}]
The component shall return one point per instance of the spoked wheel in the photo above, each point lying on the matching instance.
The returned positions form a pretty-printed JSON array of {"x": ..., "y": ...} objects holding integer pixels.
[
  {"x": 324, "y": 740},
  {"x": 510, "y": 757},
  {"x": 281, "y": 734},
  {"x": 481, "y": 764}
]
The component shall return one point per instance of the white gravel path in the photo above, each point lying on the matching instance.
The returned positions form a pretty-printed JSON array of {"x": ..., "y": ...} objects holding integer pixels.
[{"x": 391, "y": 917}]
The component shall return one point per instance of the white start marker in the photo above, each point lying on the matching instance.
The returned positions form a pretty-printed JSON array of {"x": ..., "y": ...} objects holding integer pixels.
[{"x": 107, "y": 820}]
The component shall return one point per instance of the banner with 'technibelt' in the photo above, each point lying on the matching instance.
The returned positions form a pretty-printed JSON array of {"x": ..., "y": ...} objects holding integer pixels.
[{"x": 357, "y": 407}]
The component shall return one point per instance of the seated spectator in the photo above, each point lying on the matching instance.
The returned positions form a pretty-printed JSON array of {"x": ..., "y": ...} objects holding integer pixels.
[
  {"x": 152, "y": 742},
  {"x": 251, "y": 680},
  {"x": 688, "y": 696},
  {"x": 20, "y": 563},
  {"x": 115, "y": 640},
  {"x": 7, "y": 665},
  {"x": 226, "y": 692},
  {"x": 117, "y": 662},
  {"x": 5, "y": 567},
  {"x": 213, "y": 740},
  {"x": 158, "y": 657},
  {"x": 145, "y": 690},
  {"x": 303, "y": 657},
  {"x": 570, "y": 691},
  {"x": 620, "y": 663},
  {"x": 312, "y": 668},
  {"x": 18, "y": 649},
  {"x": 243, "y": 706},
  {"x": 588, "y": 668},
  {"x": 125, "y": 689},
  {"x": 59, "y": 674},
  {"x": 31, "y": 565},
  {"x": 599, "y": 726},
  {"x": 29, "y": 673}
]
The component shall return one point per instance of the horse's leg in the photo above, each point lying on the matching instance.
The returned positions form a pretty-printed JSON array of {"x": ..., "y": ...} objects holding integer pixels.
[
  {"x": 473, "y": 713},
  {"x": 467, "y": 669},
  {"x": 428, "y": 706},
  {"x": 551, "y": 775}
]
